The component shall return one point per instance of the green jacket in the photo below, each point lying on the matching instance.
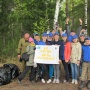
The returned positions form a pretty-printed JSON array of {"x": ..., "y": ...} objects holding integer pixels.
[
  {"x": 22, "y": 46},
  {"x": 31, "y": 55}
]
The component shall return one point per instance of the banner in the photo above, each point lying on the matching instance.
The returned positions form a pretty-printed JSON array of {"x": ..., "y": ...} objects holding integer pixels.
[{"x": 47, "y": 54}]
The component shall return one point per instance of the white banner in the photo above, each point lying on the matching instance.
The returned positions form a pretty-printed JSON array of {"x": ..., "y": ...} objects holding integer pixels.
[{"x": 47, "y": 54}]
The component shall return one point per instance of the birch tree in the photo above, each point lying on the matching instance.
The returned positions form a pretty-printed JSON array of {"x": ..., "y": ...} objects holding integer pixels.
[
  {"x": 86, "y": 17},
  {"x": 56, "y": 15}
]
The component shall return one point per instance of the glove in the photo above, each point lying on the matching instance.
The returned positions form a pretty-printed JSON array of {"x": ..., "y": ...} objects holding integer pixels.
[{"x": 35, "y": 65}]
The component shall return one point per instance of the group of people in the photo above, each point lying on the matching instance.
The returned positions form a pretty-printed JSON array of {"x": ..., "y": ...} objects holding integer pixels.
[{"x": 74, "y": 54}]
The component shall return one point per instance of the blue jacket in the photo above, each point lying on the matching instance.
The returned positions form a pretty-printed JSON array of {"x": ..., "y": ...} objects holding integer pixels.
[
  {"x": 61, "y": 51},
  {"x": 41, "y": 43},
  {"x": 86, "y": 53},
  {"x": 70, "y": 38}
]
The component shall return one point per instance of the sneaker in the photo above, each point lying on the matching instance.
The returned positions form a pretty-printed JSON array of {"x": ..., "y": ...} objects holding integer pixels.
[
  {"x": 57, "y": 81},
  {"x": 49, "y": 81},
  {"x": 43, "y": 81},
  {"x": 76, "y": 82},
  {"x": 65, "y": 81},
  {"x": 73, "y": 81},
  {"x": 54, "y": 81}
]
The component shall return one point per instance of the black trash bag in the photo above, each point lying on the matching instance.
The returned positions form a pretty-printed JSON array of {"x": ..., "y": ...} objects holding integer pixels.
[
  {"x": 14, "y": 70},
  {"x": 38, "y": 73},
  {"x": 5, "y": 76}
]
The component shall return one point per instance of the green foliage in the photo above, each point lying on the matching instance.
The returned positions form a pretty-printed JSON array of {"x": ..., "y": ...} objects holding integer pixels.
[{"x": 19, "y": 16}]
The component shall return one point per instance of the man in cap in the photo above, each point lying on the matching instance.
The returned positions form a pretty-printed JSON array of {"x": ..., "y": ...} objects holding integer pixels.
[{"x": 85, "y": 76}]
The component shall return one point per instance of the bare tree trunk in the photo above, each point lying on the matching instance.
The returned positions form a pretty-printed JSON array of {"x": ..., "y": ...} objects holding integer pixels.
[
  {"x": 85, "y": 17},
  {"x": 67, "y": 14},
  {"x": 72, "y": 12},
  {"x": 88, "y": 26},
  {"x": 56, "y": 14},
  {"x": 3, "y": 40}
]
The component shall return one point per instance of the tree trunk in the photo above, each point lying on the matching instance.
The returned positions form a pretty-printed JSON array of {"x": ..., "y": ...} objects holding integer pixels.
[
  {"x": 85, "y": 17},
  {"x": 72, "y": 12},
  {"x": 56, "y": 15},
  {"x": 67, "y": 14}
]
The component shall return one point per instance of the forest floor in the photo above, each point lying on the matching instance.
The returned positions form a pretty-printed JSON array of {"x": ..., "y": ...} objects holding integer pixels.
[{"x": 27, "y": 85}]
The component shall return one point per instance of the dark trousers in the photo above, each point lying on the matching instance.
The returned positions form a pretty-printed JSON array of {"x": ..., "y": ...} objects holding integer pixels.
[
  {"x": 44, "y": 70},
  {"x": 23, "y": 74},
  {"x": 66, "y": 70}
]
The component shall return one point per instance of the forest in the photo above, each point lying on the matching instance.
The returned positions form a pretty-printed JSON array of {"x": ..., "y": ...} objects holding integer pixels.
[{"x": 20, "y": 16}]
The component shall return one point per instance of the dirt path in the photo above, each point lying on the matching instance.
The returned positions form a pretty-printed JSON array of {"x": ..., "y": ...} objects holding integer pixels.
[{"x": 26, "y": 85}]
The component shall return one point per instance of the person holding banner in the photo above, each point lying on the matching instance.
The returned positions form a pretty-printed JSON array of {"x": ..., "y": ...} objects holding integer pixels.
[
  {"x": 50, "y": 66},
  {"x": 56, "y": 66},
  {"x": 44, "y": 66},
  {"x": 65, "y": 52}
]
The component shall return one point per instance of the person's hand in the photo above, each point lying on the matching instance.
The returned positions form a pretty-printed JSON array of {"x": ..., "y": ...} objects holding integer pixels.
[
  {"x": 67, "y": 20},
  {"x": 19, "y": 56},
  {"x": 82, "y": 30},
  {"x": 66, "y": 61},
  {"x": 78, "y": 62},
  {"x": 60, "y": 29},
  {"x": 60, "y": 61},
  {"x": 80, "y": 20}
]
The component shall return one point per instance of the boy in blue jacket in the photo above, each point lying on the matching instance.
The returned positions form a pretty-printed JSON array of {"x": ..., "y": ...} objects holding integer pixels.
[{"x": 85, "y": 76}]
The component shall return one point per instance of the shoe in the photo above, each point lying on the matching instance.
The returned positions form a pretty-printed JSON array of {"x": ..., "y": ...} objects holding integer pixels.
[
  {"x": 65, "y": 81},
  {"x": 19, "y": 81},
  {"x": 73, "y": 81},
  {"x": 49, "y": 81},
  {"x": 76, "y": 82},
  {"x": 43, "y": 81},
  {"x": 57, "y": 81},
  {"x": 54, "y": 81}
]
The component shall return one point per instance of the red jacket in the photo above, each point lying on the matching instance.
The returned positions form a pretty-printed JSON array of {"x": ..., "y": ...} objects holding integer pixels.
[{"x": 67, "y": 51}]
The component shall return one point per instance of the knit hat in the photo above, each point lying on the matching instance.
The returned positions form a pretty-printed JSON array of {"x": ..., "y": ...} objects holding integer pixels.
[
  {"x": 31, "y": 39},
  {"x": 64, "y": 35}
]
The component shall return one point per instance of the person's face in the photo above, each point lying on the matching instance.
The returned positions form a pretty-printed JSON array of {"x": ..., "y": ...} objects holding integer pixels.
[
  {"x": 53, "y": 32},
  {"x": 32, "y": 42},
  {"x": 26, "y": 36},
  {"x": 56, "y": 37},
  {"x": 82, "y": 38},
  {"x": 87, "y": 42},
  {"x": 44, "y": 37},
  {"x": 72, "y": 33},
  {"x": 75, "y": 40},
  {"x": 64, "y": 38},
  {"x": 37, "y": 38}
]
